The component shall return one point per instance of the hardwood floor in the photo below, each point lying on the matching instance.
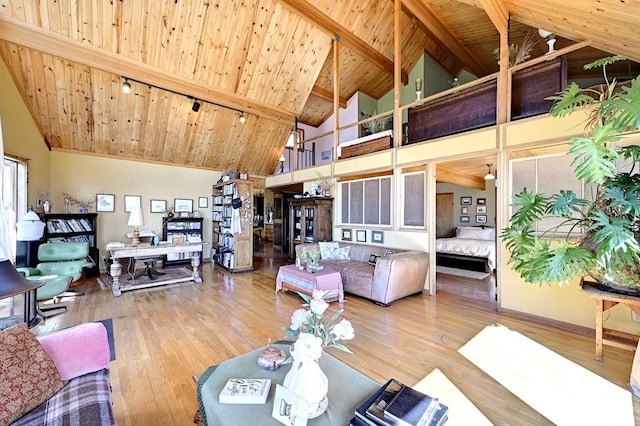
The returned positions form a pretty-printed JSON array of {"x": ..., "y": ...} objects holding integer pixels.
[{"x": 165, "y": 335}]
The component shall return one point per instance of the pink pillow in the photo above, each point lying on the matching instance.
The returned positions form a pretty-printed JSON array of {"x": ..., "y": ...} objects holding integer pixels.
[{"x": 78, "y": 350}]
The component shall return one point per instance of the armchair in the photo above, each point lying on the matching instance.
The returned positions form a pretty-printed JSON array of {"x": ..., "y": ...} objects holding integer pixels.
[{"x": 59, "y": 265}]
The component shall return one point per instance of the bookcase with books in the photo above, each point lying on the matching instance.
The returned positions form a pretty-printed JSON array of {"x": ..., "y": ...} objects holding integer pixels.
[
  {"x": 181, "y": 230},
  {"x": 232, "y": 225},
  {"x": 75, "y": 228}
]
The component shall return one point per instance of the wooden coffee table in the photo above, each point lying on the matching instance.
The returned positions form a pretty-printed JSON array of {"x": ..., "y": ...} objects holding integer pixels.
[{"x": 291, "y": 278}]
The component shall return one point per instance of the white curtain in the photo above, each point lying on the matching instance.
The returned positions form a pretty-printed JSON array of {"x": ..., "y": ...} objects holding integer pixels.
[{"x": 5, "y": 241}]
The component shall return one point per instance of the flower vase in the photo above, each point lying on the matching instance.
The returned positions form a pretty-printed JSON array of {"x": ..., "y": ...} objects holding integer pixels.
[{"x": 307, "y": 380}]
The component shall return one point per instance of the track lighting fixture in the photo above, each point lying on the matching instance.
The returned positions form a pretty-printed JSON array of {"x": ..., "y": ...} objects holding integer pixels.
[
  {"x": 126, "y": 86},
  {"x": 489, "y": 175},
  {"x": 243, "y": 119},
  {"x": 196, "y": 106}
]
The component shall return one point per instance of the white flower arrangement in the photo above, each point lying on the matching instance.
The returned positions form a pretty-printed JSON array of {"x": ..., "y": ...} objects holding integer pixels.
[{"x": 314, "y": 331}]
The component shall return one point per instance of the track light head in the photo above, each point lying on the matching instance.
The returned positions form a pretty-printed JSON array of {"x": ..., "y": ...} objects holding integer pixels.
[
  {"x": 196, "y": 106},
  {"x": 126, "y": 86},
  {"x": 243, "y": 119}
]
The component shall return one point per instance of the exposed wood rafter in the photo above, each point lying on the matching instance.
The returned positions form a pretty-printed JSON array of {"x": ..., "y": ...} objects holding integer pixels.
[
  {"x": 328, "y": 95},
  {"x": 49, "y": 42},
  {"x": 449, "y": 175},
  {"x": 347, "y": 38},
  {"x": 498, "y": 14}
]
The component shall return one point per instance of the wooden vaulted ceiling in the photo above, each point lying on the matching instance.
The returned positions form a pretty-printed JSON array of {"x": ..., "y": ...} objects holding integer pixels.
[{"x": 271, "y": 59}]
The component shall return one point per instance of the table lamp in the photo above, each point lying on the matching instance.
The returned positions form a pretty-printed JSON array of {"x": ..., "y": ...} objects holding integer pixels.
[{"x": 136, "y": 219}]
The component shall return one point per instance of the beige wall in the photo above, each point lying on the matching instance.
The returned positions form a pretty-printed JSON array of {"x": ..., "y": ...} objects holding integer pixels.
[
  {"x": 84, "y": 176},
  {"x": 21, "y": 136}
]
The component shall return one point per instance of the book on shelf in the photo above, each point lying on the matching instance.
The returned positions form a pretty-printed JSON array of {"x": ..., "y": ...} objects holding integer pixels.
[
  {"x": 245, "y": 391},
  {"x": 410, "y": 407}
]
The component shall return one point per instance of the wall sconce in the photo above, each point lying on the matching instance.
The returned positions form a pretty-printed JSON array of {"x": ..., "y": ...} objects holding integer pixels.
[
  {"x": 126, "y": 86},
  {"x": 550, "y": 38},
  {"x": 243, "y": 119},
  {"x": 489, "y": 176},
  {"x": 282, "y": 160},
  {"x": 418, "y": 88}
]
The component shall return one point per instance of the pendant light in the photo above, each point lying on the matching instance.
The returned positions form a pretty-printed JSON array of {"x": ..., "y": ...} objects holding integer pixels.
[{"x": 489, "y": 175}]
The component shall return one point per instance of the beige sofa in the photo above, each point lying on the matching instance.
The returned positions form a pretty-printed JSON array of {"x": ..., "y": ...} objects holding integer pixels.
[{"x": 395, "y": 275}]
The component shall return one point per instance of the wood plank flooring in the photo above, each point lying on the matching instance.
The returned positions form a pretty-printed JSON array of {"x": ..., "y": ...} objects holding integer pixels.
[{"x": 165, "y": 335}]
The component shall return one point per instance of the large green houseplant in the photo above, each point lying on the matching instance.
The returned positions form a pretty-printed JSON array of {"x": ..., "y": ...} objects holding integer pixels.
[{"x": 597, "y": 237}]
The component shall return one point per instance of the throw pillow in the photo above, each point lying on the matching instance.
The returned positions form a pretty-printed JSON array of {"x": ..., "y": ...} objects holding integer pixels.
[
  {"x": 327, "y": 250},
  {"x": 342, "y": 253},
  {"x": 28, "y": 376}
]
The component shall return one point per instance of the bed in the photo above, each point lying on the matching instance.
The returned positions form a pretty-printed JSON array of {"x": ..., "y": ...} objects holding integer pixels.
[{"x": 473, "y": 248}]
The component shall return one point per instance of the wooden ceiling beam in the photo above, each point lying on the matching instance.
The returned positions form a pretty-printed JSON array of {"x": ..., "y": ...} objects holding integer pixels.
[
  {"x": 347, "y": 38},
  {"x": 438, "y": 31},
  {"x": 498, "y": 14},
  {"x": 33, "y": 37},
  {"x": 450, "y": 175},
  {"x": 328, "y": 95}
]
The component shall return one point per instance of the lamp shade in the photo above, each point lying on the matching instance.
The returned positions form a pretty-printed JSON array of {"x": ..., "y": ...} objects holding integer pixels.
[
  {"x": 136, "y": 218},
  {"x": 30, "y": 228}
]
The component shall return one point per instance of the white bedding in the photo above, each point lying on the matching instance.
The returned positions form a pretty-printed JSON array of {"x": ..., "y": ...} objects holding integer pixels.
[{"x": 469, "y": 247}]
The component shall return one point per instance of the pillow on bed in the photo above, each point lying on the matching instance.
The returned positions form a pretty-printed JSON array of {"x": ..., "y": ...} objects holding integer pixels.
[{"x": 475, "y": 233}]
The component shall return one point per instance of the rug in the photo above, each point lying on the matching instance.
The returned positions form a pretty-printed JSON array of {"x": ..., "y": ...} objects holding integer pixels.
[
  {"x": 562, "y": 391},
  {"x": 465, "y": 273},
  {"x": 106, "y": 281},
  {"x": 108, "y": 324}
]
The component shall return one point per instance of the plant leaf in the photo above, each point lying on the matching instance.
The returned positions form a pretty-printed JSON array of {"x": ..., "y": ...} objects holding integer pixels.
[
  {"x": 594, "y": 160},
  {"x": 530, "y": 208},
  {"x": 569, "y": 100}
]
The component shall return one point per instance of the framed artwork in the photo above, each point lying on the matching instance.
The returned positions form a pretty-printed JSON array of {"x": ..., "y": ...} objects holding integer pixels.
[
  {"x": 377, "y": 237},
  {"x": 346, "y": 235},
  {"x": 361, "y": 236},
  {"x": 106, "y": 203},
  {"x": 158, "y": 206},
  {"x": 481, "y": 219},
  {"x": 465, "y": 201},
  {"x": 481, "y": 209},
  {"x": 464, "y": 218},
  {"x": 183, "y": 205},
  {"x": 482, "y": 201},
  {"x": 131, "y": 201},
  {"x": 203, "y": 202},
  {"x": 464, "y": 210}
]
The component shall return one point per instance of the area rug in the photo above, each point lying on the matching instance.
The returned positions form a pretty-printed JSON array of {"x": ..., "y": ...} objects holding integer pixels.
[
  {"x": 106, "y": 281},
  {"x": 108, "y": 324},
  {"x": 560, "y": 390},
  {"x": 465, "y": 273}
]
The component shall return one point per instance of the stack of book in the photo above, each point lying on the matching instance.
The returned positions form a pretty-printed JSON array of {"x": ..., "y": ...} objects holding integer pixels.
[{"x": 396, "y": 404}]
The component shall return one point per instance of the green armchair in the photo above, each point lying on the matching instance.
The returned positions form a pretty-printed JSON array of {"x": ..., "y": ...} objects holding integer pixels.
[{"x": 59, "y": 265}]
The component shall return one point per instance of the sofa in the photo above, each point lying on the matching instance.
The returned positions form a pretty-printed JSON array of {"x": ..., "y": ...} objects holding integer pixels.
[
  {"x": 378, "y": 273},
  {"x": 57, "y": 378}
]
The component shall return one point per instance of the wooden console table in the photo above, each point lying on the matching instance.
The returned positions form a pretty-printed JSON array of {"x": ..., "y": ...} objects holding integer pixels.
[
  {"x": 605, "y": 301},
  {"x": 147, "y": 250}
]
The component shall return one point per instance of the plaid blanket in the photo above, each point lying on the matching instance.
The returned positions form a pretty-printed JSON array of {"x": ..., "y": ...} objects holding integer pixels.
[{"x": 85, "y": 400}]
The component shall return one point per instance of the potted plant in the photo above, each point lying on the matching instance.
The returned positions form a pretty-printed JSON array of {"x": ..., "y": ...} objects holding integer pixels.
[{"x": 604, "y": 232}]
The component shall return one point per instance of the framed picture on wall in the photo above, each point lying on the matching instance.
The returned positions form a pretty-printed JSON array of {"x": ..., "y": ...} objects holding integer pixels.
[
  {"x": 183, "y": 205},
  {"x": 464, "y": 210},
  {"x": 158, "y": 206},
  {"x": 481, "y": 218},
  {"x": 361, "y": 236},
  {"x": 481, "y": 209},
  {"x": 464, "y": 218},
  {"x": 465, "y": 201},
  {"x": 377, "y": 237},
  {"x": 203, "y": 202},
  {"x": 131, "y": 201},
  {"x": 346, "y": 235},
  {"x": 482, "y": 201},
  {"x": 106, "y": 203}
]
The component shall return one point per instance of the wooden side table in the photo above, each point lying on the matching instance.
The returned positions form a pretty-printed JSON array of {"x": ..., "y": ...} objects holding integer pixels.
[{"x": 605, "y": 301}]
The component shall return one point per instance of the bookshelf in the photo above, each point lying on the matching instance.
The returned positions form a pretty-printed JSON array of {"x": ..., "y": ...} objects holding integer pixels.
[
  {"x": 75, "y": 228},
  {"x": 181, "y": 229},
  {"x": 232, "y": 248},
  {"x": 310, "y": 221}
]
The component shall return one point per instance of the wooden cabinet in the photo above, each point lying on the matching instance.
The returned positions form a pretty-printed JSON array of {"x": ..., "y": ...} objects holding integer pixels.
[
  {"x": 76, "y": 228},
  {"x": 232, "y": 242},
  {"x": 310, "y": 221},
  {"x": 268, "y": 228},
  {"x": 180, "y": 230}
]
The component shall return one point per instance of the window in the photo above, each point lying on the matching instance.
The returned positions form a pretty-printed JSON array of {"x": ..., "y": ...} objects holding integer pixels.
[
  {"x": 14, "y": 194},
  {"x": 366, "y": 201}
]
